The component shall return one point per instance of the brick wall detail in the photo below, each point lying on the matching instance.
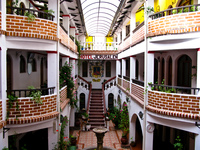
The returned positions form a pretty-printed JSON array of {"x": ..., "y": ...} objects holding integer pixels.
[
  {"x": 32, "y": 112},
  {"x": 119, "y": 81},
  {"x": 2, "y": 122},
  {"x": 63, "y": 98},
  {"x": 170, "y": 104},
  {"x": 40, "y": 28},
  {"x": 66, "y": 40},
  {"x": 135, "y": 38},
  {"x": 174, "y": 102},
  {"x": 173, "y": 24},
  {"x": 126, "y": 85},
  {"x": 137, "y": 91}
]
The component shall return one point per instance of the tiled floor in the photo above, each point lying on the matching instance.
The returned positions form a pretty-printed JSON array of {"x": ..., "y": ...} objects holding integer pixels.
[{"x": 88, "y": 138}]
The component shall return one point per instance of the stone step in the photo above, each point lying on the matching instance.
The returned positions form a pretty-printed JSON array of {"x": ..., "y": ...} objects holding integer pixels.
[
  {"x": 97, "y": 120},
  {"x": 96, "y": 107},
  {"x": 100, "y": 116},
  {"x": 96, "y": 110}
]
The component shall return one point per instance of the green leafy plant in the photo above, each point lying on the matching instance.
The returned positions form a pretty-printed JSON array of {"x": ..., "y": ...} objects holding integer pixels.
[
  {"x": 30, "y": 16},
  {"x": 36, "y": 95},
  {"x": 174, "y": 11},
  {"x": 149, "y": 10},
  {"x": 63, "y": 141},
  {"x": 67, "y": 79},
  {"x": 11, "y": 100},
  {"x": 85, "y": 115},
  {"x": 124, "y": 121},
  {"x": 192, "y": 9},
  {"x": 115, "y": 116},
  {"x": 178, "y": 145},
  {"x": 5, "y": 148}
]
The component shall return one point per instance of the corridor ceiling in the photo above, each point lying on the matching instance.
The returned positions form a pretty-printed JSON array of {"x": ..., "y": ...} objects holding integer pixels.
[{"x": 99, "y": 15}]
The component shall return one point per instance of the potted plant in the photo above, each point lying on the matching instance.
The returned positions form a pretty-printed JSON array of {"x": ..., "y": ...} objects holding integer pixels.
[
  {"x": 124, "y": 139},
  {"x": 133, "y": 143},
  {"x": 73, "y": 140},
  {"x": 115, "y": 116},
  {"x": 124, "y": 124},
  {"x": 85, "y": 116}
]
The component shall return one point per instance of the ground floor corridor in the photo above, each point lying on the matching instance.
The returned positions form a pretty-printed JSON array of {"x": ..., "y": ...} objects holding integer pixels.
[{"x": 111, "y": 139}]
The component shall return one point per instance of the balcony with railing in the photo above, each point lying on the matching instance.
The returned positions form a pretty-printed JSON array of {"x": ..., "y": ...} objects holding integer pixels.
[
  {"x": 174, "y": 101},
  {"x": 41, "y": 27},
  {"x": 175, "y": 20},
  {"x": 99, "y": 46}
]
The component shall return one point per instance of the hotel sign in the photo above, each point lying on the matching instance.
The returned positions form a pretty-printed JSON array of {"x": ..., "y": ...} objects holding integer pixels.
[{"x": 99, "y": 57}]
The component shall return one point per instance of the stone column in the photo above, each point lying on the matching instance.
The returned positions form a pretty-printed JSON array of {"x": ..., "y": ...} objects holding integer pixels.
[
  {"x": 197, "y": 143},
  {"x": 66, "y": 22},
  {"x": 3, "y": 73},
  {"x": 150, "y": 67},
  {"x": 72, "y": 31},
  {"x": 52, "y": 67},
  {"x": 149, "y": 138},
  {"x": 53, "y": 4},
  {"x": 132, "y": 69},
  {"x": 65, "y": 59},
  {"x": 198, "y": 69}
]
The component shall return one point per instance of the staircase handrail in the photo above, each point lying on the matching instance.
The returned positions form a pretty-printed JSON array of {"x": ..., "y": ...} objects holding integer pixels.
[
  {"x": 103, "y": 85},
  {"x": 90, "y": 90}
]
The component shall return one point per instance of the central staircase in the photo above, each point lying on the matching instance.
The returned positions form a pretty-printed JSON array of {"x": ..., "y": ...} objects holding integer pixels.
[{"x": 96, "y": 109}]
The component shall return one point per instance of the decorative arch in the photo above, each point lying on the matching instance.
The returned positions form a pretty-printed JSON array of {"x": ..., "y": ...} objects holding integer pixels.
[
  {"x": 136, "y": 130},
  {"x": 21, "y": 5},
  {"x": 155, "y": 70},
  {"x": 162, "y": 69},
  {"x": 169, "y": 71},
  {"x": 137, "y": 69},
  {"x": 22, "y": 64},
  {"x": 184, "y": 70},
  {"x": 34, "y": 65},
  {"x": 9, "y": 65},
  {"x": 110, "y": 101},
  {"x": 108, "y": 69},
  {"x": 82, "y": 101},
  {"x": 84, "y": 69}
]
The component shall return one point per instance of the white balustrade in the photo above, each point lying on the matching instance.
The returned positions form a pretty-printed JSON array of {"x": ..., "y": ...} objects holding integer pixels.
[{"x": 99, "y": 46}]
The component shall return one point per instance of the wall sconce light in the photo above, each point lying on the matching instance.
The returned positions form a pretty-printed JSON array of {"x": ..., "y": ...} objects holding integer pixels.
[
  {"x": 141, "y": 115},
  {"x": 197, "y": 124},
  {"x": 120, "y": 92},
  {"x": 4, "y": 131}
]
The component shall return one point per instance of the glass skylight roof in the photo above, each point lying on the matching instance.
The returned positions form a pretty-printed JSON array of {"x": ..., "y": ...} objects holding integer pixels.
[{"x": 98, "y": 15}]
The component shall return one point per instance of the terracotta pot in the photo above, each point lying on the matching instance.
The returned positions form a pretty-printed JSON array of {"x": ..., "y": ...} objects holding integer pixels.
[{"x": 124, "y": 140}]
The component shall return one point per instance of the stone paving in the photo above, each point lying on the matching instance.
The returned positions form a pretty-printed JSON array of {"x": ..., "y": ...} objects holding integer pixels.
[{"x": 88, "y": 138}]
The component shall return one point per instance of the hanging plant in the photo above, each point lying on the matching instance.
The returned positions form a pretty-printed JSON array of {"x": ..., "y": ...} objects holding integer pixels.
[
  {"x": 67, "y": 79},
  {"x": 11, "y": 100}
]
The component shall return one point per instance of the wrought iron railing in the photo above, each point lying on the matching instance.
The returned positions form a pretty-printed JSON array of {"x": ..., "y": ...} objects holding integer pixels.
[
  {"x": 174, "y": 89},
  {"x": 27, "y": 92},
  {"x": 126, "y": 78},
  {"x": 177, "y": 10},
  {"x": 138, "y": 82},
  {"x": 22, "y": 12}
]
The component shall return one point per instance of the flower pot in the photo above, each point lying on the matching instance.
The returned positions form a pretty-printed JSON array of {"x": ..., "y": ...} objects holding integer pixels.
[
  {"x": 124, "y": 140},
  {"x": 73, "y": 141}
]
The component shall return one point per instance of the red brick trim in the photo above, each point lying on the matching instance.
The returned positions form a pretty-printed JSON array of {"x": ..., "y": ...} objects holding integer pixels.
[
  {"x": 173, "y": 113},
  {"x": 66, "y": 16},
  {"x": 32, "y": 119},
  {"x": 51, "y": 52},
  {"x": 73, "y": 27},
  {"x": 198, "y": 49},
  {"x": 76, "y": 34}
]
